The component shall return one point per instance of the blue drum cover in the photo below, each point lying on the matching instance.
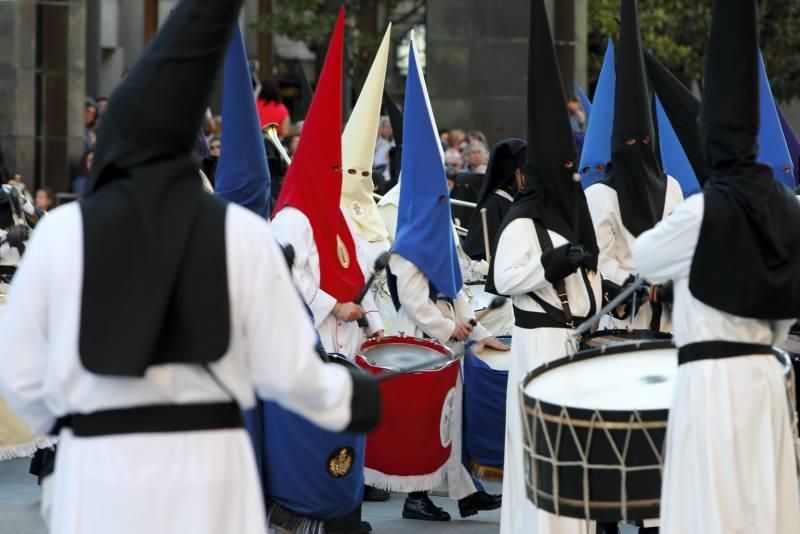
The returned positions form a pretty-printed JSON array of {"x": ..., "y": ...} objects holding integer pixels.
[
  {"x": 484, "y": 411},
  {"x": 297, "y": 472}
]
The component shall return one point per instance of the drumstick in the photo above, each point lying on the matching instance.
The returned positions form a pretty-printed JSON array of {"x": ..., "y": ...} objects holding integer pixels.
[
  {"x": 380, "y": 264},
  {"x": 497, "y": 302},
  {"x": 622, "y": 297},
  {"x": 486, "y": 235}
]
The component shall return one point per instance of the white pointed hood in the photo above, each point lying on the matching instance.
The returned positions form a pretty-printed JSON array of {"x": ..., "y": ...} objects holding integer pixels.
[{"x": 358, "y": 151}]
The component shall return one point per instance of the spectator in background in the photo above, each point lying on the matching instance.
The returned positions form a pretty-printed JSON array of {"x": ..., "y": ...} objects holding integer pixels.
[
  {"x": 85, "y": 167},
  {"x": 44, "y": 199},
  {"x": 479, "y": 137},
  {"x": 90, "y": 114},
  {"x": 444, "y": 137},
  {"x": 291, "y": 144},
  {"x": 271, "y": 109},
  {"x": 477, "y": 157},
  {"x": 384, "y": 144},
  {"x": 215, "y": 146},
  {"x": 454, "y": 162},
  {"x": 577, "y": 118},
  {"x": 102, "y": 104}
]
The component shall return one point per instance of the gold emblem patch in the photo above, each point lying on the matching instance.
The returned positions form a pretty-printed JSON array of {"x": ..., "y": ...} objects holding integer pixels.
[
  {"x": 341, "y": 462},
  {"x": 341, "y": 251},
  {"x": 355, "y": 207}
]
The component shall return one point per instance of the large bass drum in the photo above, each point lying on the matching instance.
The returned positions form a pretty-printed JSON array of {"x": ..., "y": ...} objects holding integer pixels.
[{"x": 594, "y": 427}]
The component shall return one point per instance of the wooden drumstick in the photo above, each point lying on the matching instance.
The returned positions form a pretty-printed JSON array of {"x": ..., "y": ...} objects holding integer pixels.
[{"x": 486, "y": 235}]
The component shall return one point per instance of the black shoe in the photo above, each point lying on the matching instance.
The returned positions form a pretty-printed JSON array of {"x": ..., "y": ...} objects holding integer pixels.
[
  {"x": 373, "y": 494},
  {"x": 420, "y": 506},
  {"x": 479, "y": 501},
  {"x": 350, "y": 524}
]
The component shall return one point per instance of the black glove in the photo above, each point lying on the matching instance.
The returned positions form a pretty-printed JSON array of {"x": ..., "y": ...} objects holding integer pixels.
[
  {"x": 662, "y": 293},
  {"x": 365, "y": 406},
  {"x": 16, "y": 237},
  {"x": 561, "y": 262},
  {"x": 611, "y": 290}
]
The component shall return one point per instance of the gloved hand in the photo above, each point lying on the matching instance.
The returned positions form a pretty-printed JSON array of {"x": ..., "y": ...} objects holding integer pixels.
[
  {"x": 662, "y": 293},
  {"x": 561, "y": 262},
  {"x": 611, "y": 290},
  {"x": 16, "y": 237}
]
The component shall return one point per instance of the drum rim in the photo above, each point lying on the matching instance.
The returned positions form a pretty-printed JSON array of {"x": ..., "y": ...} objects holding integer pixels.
[
  {"x": 658, "y": 336},
  {"x": 406, "y": 340},
  {"x": 340, "y": 359}
]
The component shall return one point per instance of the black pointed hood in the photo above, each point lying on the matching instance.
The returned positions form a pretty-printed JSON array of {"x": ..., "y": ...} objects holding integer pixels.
[
  {"x": 552, "y": 194},
  {"x": 153, "y": 239},
  {"x": 635, "y": 171},
  {"x": 755, "y": 273},
  {"x": 683, "y": 111}
]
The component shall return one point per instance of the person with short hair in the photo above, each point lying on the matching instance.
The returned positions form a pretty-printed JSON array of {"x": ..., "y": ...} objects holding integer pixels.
[{"x": 45, "y": 199}]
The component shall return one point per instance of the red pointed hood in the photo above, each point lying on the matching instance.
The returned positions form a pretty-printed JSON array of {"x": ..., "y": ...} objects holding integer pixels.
[{"x": 313, "y": 183}]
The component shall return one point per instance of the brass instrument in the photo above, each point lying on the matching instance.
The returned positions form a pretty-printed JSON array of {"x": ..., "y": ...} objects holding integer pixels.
[{"x": 270, "y": 133}]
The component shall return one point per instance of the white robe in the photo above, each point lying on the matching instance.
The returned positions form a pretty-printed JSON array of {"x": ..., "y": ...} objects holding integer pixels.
[
  {"x": 165, "y": 483},
  {"x": 518, "y": 271},
  {"x": 730, "y": 462},
  {"x": 291, "y": 226},
  {"x": 615, "y": 242},
  {"x": 418, "y": 316}
]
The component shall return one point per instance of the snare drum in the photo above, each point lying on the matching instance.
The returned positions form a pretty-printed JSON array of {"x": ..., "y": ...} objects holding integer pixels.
[
  {"x": 485, "y": 383},
  {"x": 311, "y": 475},
  {"x": 594, "y": 450},
  {"x": 606, "y": 338},
  {"x": 410, "y": 448}
]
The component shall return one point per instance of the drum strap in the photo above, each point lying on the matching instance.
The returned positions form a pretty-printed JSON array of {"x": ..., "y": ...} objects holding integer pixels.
[
  {"x": 564, "y": 315},
  {"x": 718, "y": 350}
]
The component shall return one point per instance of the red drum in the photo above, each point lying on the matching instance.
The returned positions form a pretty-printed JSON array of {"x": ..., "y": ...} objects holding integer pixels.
[{"x": 410, "y": 448}]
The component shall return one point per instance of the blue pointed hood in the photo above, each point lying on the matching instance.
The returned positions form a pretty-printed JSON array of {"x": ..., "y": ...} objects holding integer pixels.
[
  {"x": 773, "y": 150},
  {"x": 597, "y": 143},
  {"x": 673, "y": 156},
  {"x": 242, "y": 172},
  {"x": 585, "y": 102},
  {"x": 424, "y": 225}
]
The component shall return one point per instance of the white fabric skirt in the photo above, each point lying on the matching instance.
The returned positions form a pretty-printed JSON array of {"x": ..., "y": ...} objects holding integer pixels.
[
  {"x": 530, "y": 349},
  {"x": 177, "y": 483},
  {"x": 730, "y": 462}
]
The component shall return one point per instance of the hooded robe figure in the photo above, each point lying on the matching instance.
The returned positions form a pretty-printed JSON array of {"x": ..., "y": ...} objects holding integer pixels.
[
  {"x": 425, "y": 283},
  {"x": 596, "y": 151},
  {"x": 635, "y": 193},
  {"x": 143, "y": 367},
  {"x": 546, "y": 247},
  {"x": 732, "y": 256},
  {"x": 327, "y": 268},
  {"x": 497, "y": 193}
]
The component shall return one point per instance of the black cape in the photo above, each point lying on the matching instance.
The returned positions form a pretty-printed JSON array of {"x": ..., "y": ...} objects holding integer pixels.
[
  {"x": 155, "y": 271},
  {"x": 747, "y": 259}
]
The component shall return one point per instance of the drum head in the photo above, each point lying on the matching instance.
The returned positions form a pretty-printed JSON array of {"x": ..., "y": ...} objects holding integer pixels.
[
  {"x": 497, "y": 359},
  {"x": 638, "y": 379},
  {"x": 400, "y": 352}
]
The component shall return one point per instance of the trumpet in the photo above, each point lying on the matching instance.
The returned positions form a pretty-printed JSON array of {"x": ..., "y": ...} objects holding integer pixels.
[{"x": 270, "y": 133}]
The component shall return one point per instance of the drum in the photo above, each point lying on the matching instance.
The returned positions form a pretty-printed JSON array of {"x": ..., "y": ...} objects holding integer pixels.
[
  {"x": 311, "y": 475},
  {"x": 605, "y": 338},
  {"x": 594, "y": 450},
  {"x": 410, "y": 448},
  {"x": 485, "y": 383}
]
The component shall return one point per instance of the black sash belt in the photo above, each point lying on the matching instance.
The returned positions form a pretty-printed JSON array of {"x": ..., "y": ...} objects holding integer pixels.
[
  {"x": 161, "y": 418},
  {"x": 531, "y": 320},
  {"x": 717, "y": 350}
]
